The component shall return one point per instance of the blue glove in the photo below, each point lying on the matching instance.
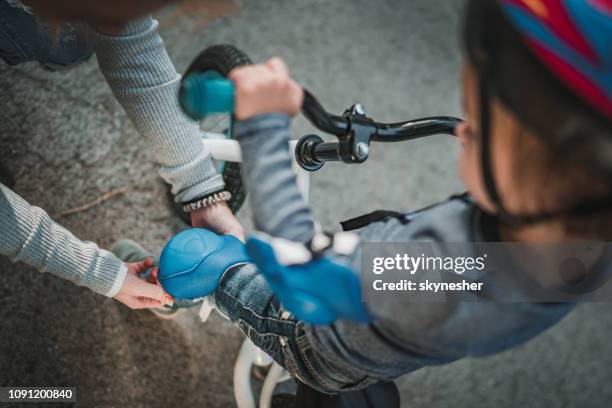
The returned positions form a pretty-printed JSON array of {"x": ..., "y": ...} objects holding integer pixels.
[
  {"x": 193, "y": 262},
  {"x": 318, "y": 292}
]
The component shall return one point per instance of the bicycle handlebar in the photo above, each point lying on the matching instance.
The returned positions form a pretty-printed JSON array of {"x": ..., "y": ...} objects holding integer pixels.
[
  {"x": 202, "y": 94},
  {"x": 320, "y": 118}
]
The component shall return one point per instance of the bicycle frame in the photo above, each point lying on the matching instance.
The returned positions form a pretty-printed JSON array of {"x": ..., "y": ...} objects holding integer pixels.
[
  {"x": 249, "y": 355},
  {"x": 229, "y": 150}
]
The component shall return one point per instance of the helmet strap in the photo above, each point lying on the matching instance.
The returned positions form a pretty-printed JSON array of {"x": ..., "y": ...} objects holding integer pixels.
[{"x": 486, "y": 153}]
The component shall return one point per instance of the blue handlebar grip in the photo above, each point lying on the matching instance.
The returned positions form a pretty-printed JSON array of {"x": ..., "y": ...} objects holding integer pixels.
[{"x": 204, "y": 93}]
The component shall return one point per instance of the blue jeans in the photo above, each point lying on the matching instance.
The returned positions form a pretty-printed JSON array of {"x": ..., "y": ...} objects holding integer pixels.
[
  {"x": 244, "y": 296},
  {"x": 23, "y": 38}
]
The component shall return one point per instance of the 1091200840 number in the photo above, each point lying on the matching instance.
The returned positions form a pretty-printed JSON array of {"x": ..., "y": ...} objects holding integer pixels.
[{"x": 40, "y": 393}]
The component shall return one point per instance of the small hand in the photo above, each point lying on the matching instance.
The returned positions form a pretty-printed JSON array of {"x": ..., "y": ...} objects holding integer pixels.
[
  {"x": 218, "y": 218},
  {"x": 138, "y": 294},
  {"x": 266, "y": 88}
]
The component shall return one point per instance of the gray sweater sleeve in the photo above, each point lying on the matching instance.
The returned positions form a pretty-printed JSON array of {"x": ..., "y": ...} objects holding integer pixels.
[
  {"x": 145, "y": 82},
  {"x": 278, "y": 206},
  {"x": 29, "y": 235}
]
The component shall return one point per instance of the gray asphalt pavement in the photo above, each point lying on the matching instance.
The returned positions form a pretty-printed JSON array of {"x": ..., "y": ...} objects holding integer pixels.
[{"x": 67, "y": 141}]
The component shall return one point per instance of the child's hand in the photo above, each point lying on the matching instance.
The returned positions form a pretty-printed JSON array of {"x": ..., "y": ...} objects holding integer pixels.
[
  {"x": 138, "y": 294},
  {"x": 266, "y": 88}
]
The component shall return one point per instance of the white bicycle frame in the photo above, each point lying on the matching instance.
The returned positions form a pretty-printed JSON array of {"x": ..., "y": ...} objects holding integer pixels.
[{"x": 249, "y": 355}]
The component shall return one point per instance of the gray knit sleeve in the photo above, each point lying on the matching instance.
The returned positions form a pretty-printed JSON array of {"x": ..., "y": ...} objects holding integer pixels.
[
  {"x": 145, "y": 82},
  {"x": 279, "y": 209},
  {"x": 29, "y": 235}
]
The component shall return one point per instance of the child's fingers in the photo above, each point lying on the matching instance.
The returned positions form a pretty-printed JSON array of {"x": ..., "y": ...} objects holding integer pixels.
[
  {"x": 246, "y": 78},
  {"x": 278, "y": 66},
  {"x": 297, "y": 96},
  {"x": 240, "y": 73}
]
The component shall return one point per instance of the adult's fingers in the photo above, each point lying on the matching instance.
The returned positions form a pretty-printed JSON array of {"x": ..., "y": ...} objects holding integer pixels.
[
  {"x": 146, "y": 303},
  {"x": 134, "y": 302},
  {"x": 149, "y": 290},
  {"x": 139, "y": 267},
  {"x": 154, "y": 273},
  {"x": 156, "y": 292},
  {"x": 129, "y": 301}
]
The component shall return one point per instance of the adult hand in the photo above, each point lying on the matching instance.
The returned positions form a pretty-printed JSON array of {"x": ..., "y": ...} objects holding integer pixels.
[
  {"x": 266, "y": 88},
  {"x": 138, "y": 294},
  {"x": 218, "y": 218}
]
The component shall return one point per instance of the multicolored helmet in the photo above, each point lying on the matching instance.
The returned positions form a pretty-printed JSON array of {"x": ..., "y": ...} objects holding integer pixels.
[{"x": 573, "y": 38}]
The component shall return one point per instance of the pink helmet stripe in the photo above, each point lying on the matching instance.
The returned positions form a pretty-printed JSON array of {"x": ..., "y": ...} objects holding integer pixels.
[
  {"x": 578, "y": 82},
  {"x": 605, "y": 6},
  {"x": 554, "y": 15}
]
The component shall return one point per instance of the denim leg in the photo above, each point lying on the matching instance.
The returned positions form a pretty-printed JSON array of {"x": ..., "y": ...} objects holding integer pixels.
[
  {"x": 244, "y": 296},
  {"x": 23, "y": 39}
]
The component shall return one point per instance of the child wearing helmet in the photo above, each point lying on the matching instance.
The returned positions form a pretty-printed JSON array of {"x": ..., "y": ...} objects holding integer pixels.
[{"x": 536, "y": 158}]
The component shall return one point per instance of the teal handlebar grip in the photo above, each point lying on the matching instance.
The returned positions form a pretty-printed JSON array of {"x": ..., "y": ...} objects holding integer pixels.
[{"x": 204, "y": 93}]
